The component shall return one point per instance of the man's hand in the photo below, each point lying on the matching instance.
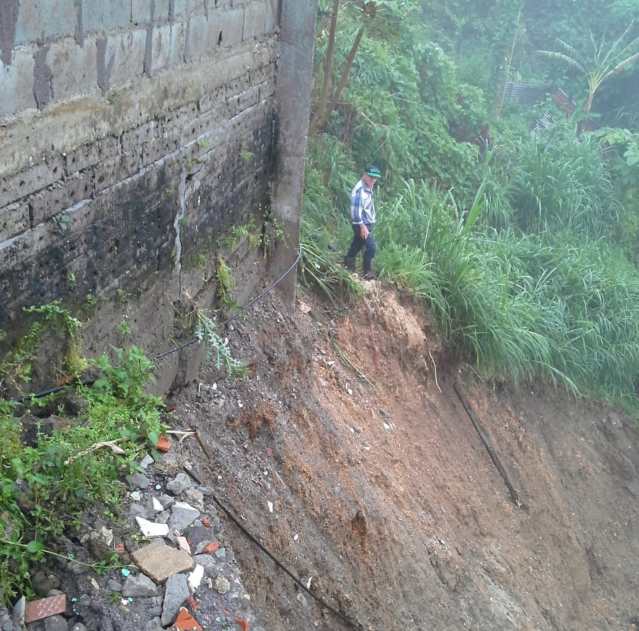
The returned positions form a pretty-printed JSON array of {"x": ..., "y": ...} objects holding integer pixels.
[{"x": 363, "y": 232}]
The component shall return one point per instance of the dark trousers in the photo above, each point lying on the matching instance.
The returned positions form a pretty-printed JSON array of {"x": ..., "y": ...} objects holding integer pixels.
[{"x": 369, "y": 246}]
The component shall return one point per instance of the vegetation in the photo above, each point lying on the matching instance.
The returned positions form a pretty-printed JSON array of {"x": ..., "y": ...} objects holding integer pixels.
[
  {"x": 54, "y": 468},
  {"x": 516, "y": 223}
]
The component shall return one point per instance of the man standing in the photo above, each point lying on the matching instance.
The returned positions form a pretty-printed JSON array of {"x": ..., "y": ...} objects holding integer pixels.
[{"x": 363, "y": 220}]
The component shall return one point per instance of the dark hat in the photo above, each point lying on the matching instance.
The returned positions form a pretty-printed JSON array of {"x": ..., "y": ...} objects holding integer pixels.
[{"x": 373, "y": 171}]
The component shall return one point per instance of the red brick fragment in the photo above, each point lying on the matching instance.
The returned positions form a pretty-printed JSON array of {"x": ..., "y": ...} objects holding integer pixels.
[
  {"x": 45, "y": 608},
  {"x": 212, "y": 548},
  {"x": 186, "y": 622},
  {"x": 243, "y": 623},
  {"x": 164, "y": 444},
  {"x": 192, "y": 603}
]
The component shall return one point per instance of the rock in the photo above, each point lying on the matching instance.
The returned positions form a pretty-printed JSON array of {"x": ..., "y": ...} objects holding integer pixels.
[
  {"x": 150, "y": 529},
  {"x": 181, "y": 483},
  {"x": 182, "y": 516},
  {"x": 199, "y": 537},
  {"x": 113, "y": 585},
  {"x": 78, "y": 627},
  {"x": 183, "y": 544},
  {"x": 160, "y": 561},
  {"x": 154, "y": 606},
  {"x": 163, "y": 518},
  {"x": 221, "y": 553},
  {"x": 139, "y": 586},
  {"x": 136, "y": 496},
  {"x": 195, "y": 578},
  {"x": 176, "y": 592},
  {"x": 222, "y": 585},
  {"x": 167, "y": 500},
  {"x": 56, "y": 623},
  {"x": 154, "y": 625},
  {"x": 195, "y": 497},
  {"x": 43, "y": 582},
  {"x": 168, "y": 464},
  {"x": 156, "y": 505},
  {"x": 146, "y": 462},
  {"x": 137, "y": 510},
  {"x": 138, "y": 481},
  {"x": 19, "y": 610},
  {"x": 101, "y": 542},
  {"x": 208, "y": 563}
]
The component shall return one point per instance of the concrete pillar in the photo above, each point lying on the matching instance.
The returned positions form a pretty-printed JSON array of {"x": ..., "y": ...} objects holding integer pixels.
[{"x": 294, "y": 84}]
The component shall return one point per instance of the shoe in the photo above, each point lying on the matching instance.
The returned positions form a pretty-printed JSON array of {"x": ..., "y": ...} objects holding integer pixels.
[
  {"x": 349, "y": 264},
  {"x": 369, "y": 276}
]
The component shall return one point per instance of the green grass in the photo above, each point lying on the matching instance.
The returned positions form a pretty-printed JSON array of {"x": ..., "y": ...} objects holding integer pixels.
[{"x": 47, "y": 484}]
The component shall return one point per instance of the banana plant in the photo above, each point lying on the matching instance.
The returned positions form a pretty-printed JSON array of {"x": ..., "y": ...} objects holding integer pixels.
[{"x": 602, "y": 62}]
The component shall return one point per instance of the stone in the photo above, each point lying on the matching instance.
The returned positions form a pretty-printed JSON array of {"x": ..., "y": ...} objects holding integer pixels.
[
  {"x": 195, "y": 497},
  {"x": 137, "y": 510},
  {"x": 176, "y": 592},
  {"x": 156, "y": 505},
  {"x": 167, "y": 500},
  {"x": 113, "y": 585},
  {"x": 195, "y": 577},
  {"x": 181, "y": 483},
  {"x": 163, "y": 517},
  {"x": 43, "y": 582},
  {"x": 222, "y": 585},
  {"x": 101, "y": 542},
  {"x": 151, "y": 529},
  {"x": 207, "y": 562},
  {"x": 139, "y": 586},
  {"x": 138, "y": 481},
  {"x": 146, "y": 462},
  {"x": 182, "y": 516},
  {"x": 19, "y": 611},
  {"x": 56, "y": 623},
  {"x": 160, "y": 561},
  {"x": 136, "y": 496},
  {"x": 183, "y": 544},
  {"x": 154, "y": 625},
  {"x": 78, "y": 626},
  {"x": 221, "y": 553}
]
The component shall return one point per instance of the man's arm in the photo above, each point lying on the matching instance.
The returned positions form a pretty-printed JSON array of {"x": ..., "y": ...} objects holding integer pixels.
[{"x": 356, "y": 214}]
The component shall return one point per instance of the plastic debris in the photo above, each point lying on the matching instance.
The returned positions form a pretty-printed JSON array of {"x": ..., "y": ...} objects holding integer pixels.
[{"x": 126, "y": 571}]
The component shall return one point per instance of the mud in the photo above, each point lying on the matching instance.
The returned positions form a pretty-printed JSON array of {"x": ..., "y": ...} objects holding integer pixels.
[{"x": 348, "y": 454}]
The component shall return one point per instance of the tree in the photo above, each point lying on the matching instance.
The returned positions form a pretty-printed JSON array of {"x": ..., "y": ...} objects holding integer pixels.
[{"x": 601, "y": 63}]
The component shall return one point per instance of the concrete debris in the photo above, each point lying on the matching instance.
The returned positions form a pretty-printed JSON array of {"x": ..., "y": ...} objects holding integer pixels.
[
  {"x": 183, "y": 544},
  {"x": 157, "y": 505},
  {"x": 151, "y": 529},
  {"x": 182, "y": 516},
  {"x": 195, "y": 577},
  {"x": 139, "y": 586},
  {"x": 160, "y": 561},
  {"x": 196, "y": 498},
  {"x": 176, "y": 592}
]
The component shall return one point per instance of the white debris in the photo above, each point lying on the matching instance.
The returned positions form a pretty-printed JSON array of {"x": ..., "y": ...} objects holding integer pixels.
[
  {"x": 151, "y": 529},
  {"x": 270, "y": 507},
  {"x": 195, "y": 577},
  {"x": 157, "y": 506}
]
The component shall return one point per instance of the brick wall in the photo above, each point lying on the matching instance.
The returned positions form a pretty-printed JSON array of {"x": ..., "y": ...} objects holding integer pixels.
[{"x": 133, "y": 134}]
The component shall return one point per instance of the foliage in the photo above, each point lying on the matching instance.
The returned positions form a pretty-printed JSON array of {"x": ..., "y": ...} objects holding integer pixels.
[
  {"x": 521, "y": 243},
  {"x": 47, "y": 482},
  {"x": 206, "y": 333}
]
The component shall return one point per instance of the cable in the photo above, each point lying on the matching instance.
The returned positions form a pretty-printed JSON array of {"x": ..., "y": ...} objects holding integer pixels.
[{"x": 177, "y": 349}]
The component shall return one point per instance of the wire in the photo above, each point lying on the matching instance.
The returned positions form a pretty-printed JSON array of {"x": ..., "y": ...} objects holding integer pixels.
[{"x": 177, "y": 349}]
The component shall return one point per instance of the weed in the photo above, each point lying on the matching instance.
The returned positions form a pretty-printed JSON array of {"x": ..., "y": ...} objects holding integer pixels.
[
  {"x": 225, "y": 283},
  {"x": 206, "y": 333},
  {"x": 46, "y": 486}
]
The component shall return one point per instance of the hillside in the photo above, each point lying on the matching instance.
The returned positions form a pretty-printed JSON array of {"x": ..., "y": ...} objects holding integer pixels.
[{"x": 383, "y": 493}]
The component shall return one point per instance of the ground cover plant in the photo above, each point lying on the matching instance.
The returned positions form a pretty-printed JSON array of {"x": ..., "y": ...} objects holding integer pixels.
[{"x": 520, "y": 235}]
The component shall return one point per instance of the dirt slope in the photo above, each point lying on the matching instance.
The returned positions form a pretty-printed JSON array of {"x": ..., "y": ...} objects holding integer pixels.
[{"x": 383, "y": 494}]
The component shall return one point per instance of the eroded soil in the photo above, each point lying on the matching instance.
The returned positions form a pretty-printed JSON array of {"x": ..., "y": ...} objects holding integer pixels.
[{"x": 349, "y": 455}]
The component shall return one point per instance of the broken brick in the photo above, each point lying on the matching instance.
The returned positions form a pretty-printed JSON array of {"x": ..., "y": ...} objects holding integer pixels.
[
  {"x": 192, "y": 603},
  {"x": 243, "y": 623},
  {"x": 163, "y": 444},
  {"x": 212, "y": 548},
  {"x": 45, "y": 608},
  {"x": 186, "y": 622}
]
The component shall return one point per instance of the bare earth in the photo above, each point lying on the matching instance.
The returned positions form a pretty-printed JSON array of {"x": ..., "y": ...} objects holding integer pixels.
[{"x": 383, "y": 494}]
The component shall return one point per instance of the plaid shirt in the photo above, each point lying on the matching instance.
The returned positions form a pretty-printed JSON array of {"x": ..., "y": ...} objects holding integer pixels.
[{"x": 362, "y": 205}]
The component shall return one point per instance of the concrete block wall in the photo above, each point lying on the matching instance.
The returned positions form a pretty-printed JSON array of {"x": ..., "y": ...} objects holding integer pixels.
[{"x": 133, "y": 133}]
